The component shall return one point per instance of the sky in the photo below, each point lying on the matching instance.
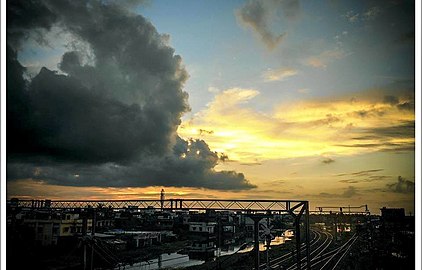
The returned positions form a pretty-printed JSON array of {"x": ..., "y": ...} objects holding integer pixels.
[{"x": 304, "y": 100}]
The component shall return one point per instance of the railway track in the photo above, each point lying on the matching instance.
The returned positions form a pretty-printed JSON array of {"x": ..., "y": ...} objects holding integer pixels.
[
  {"x": 319, "y": 242},
  {"x": 328, "y": 260},
  {"x": 316, "y": 250},
  {"x": 332, "y": 259}
]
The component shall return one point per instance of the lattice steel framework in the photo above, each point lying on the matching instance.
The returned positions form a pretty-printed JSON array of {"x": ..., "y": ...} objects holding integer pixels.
[{"x": 281, "y": 206}]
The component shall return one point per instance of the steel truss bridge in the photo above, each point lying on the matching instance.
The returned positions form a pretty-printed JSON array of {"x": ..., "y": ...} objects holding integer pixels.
[
  {"x": 255, "y": 209},
  {"x": 255, "y": 206}
]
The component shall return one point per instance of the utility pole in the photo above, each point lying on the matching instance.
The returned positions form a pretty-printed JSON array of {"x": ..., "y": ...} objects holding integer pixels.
[
  {"x": 256, "y": 241},
  {"x": 84, "y": 230},
  {"x": 268, "y": 242},
  {"x": 94, "y": 220}
]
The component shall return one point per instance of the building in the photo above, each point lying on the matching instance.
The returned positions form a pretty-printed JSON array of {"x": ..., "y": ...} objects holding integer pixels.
[
  {"x": 392, "y": 214},
  {"x": 49, "y": 228},
  {"x": 202, "y": 227}
]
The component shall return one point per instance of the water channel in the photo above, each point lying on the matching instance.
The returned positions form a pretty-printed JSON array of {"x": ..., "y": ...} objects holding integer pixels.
[{"x": 178, "y": 260}]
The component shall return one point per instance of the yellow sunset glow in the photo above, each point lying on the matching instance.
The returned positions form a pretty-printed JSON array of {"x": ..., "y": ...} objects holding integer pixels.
[{"x": 341, "y": 127}]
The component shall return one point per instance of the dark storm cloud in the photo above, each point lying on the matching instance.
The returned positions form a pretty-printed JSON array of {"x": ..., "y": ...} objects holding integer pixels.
[
  {"x": 402, "y": 186},
  {"x": 27, "y": 17},
  {"x": 258, "y": 14},
  {"x": 130, "y": 101},
  {"x": 194, "y": 169},
  {"x": 111, "y": 122}
]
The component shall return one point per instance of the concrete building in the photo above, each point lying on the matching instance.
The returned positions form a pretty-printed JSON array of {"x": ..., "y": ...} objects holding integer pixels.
[
  {"x": 202, "y": 227},
  {"x": 50, "y": 228}
]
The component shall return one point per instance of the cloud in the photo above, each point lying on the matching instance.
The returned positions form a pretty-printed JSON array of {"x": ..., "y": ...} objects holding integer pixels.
[
  {"x": 258, "y": 15},
  {"x": 389, "y": 24},
  {"x": 251, "y": 164},
  {"x": 366, "y": 15},
  {"x": 404, "y": 130},
  {"x": 190, "y": 165},
  {"x": 408, "y": 106},
  {"x": 337, "y": 127},
  {"x": 352, "y": 16},
  {"x": 366, "y": 176},
  {"x": 392, "y": 100},
  {"x": 349, "y": 181},
  {"x": 324, "y": 58},
  {"x": 291, "y": 9},
  {"x": 347, "y": 193},
  {"x": 402, "y": 186},
  {"x": 360, "y": 173},
  {"x": 401, "y": 137},
  {"x": 303, "y": 90},
  {"x": 371, "y": 13},
  {"x": 204, "y": 131},
  {"x": 328, "y": 160},
  {"x": 365, "y": 179},
  {"x": 401, "y": 105},
  {"x": 109, "y": 122},
  {"x": 279, "y": 74},
  {"x": 27, "y": 18}
]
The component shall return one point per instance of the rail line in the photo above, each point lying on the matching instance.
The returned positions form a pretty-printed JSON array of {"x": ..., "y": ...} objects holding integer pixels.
[
  {"x": 289, "y": 255},
  {"x": 320, "y": 249},
  {"x": 329, "y": 257},
  {"x": 278, "y": 262}
]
